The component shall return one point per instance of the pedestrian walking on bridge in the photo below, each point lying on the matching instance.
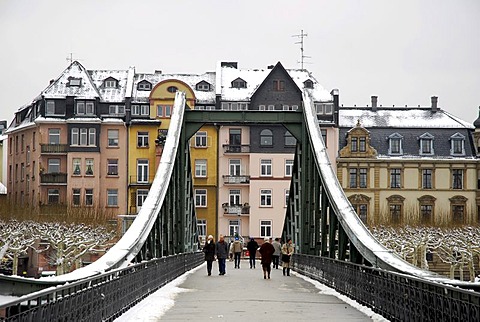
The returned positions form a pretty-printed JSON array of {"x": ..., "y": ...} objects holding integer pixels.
[
  {"x": 252, "y": 247},
  {"x": 237, "y": 248},
  {"x": 287, "y": 251},
  {"x": 266, "y": 251},
  {"x": 222, "y": 254},
  {"x": 278, "y": 251},
  {"x": 209, "y": 250}
]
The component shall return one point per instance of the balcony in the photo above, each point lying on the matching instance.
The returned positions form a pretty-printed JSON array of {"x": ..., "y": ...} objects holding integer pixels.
[
  {"x": 229, "y": 148},
  {"x": 54, "y": 148},
  {"x": 53, "y": 178},
  {"x": 140, "y": 180},
  {"x": 227, "y": 179},
  {"x": 236, "y": 209}
]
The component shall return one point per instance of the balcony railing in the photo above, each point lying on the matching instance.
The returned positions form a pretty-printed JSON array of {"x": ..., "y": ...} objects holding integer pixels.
[
  {"x": 57, "y": 177},
  {"x": 227, "y": 179},
  {"x": 141, "y": 180},
  {"x": 54, "y": 148},
  {"x": 236, "y": 209},
  {"x": 230, "y": 148}
]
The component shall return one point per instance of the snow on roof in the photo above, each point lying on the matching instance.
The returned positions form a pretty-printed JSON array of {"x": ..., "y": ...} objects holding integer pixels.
[
  {"x": 115, "y": 94},
  {"x": 318, "y": 93},
  {"x": 60, "y": 88},
  {"x": 400, "y": 117}
]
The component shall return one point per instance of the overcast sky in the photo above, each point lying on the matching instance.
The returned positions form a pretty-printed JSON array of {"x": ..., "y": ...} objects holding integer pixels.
[{"x": 403, "y": 51}]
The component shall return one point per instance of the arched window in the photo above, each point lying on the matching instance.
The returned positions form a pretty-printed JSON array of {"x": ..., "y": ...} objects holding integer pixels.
[
  {"x": 172, "y": 89},
  {"x": 266, "y": 137},
  {"x": 289, "y": 139}
]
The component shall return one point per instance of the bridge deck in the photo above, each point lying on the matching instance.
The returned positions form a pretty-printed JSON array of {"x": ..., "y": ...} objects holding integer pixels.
[{"x": 243, "y": 295}]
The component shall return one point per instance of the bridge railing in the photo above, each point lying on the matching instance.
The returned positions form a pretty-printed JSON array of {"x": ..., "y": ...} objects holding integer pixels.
[
  {"x": 395, "y": 296},
  {"x": 103, "y": 297}
]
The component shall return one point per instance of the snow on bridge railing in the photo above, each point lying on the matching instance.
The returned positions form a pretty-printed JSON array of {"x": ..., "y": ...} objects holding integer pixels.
[{"x": 358, "y": 234}]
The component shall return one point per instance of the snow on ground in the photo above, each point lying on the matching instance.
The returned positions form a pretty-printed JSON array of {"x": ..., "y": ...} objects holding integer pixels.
[
  {"x": 330, "y": 291},
  {"x": 7, "y": 298},
  {"x": 155, "y": 305}
]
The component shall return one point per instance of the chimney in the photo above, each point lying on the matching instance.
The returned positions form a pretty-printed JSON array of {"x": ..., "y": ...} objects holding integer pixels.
[
  {"x": 157, "y": 71},
  {"x": 51, "y": 81},
  {"x": 374, "y": 103},
  {"x": 231, "y": 64},
  {"x": 434, "y": 104},
  {"x": 270, "y": 67}
]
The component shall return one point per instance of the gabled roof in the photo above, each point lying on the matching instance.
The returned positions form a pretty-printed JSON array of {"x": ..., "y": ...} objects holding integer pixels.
[
  {"x": 60, "y": 88},
  {"x": 278, "y": 67},
  {"x": 111, "y": 94}
]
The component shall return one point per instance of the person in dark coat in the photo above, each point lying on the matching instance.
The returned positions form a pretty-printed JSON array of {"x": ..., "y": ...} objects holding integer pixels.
[
  {"x": 252, "y": 247},
  {"x": 209, "y": 250},
  {"x": 266, "y": 251},
  {"x": 222, "y": 254}
]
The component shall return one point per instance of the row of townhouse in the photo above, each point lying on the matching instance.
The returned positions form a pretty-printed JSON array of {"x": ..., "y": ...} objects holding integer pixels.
[{"x": 93, "y": 139}]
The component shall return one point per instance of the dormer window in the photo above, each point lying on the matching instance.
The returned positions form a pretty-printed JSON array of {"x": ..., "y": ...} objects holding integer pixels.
[
  {"x": 110, "y": 83},
  {"x": 395, "y": 144},
  {"x": 239, "y": 83},
  {"x": 324, "y": 108},
  {"x": 77, "y": 82},
  {"x": 457, "y": 144},
  {"x": 266, "y": 137},
  {"x": 144, "y": 86},
  {"x": 308, "y": 84},
  {"x": 203, "y": 86},
  {"x": 426, "y": 144}
]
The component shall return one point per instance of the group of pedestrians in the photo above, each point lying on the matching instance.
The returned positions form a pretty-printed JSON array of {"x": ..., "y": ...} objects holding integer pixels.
[{"x": 269, "y": 252}]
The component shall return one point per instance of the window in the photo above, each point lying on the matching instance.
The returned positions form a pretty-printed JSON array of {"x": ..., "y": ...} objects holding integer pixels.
[
  {"x": 142, "y": 171},
  {"x": 279, "y": 85},
  {"x": 112, "y": 167},
  {"x": 112, "y": 197},
  {"x": 288, "y": 168},
  {"x": 74, "y": 138},
  {"x": 80, "y": 108},
  {"x": 140, "y": 110},
  {"x": 83, "y": 136},
  {"x": 202, "y": 228},
  {"x": 77, "y": 166},
  {"x": 458, "y": 212},
  {"x": 28, "y": 155},
  {"x": 53, "y": 165},
  {"x": 396, "y": 213},
  {"x": 234, "y": 197},
  {"x": 234, "y": 167},
  {"x": 90, "y": 108},
  {"x": 77, "y": 82},
  {"x": 362, "y": 145},
  {"x": 116, "y": 110},
  {"x": 239, "y": 83},
  {"x": 426, "y": 212},
  {"x": 172, "y": 89},
  {"x": 22, "y": 145},
  {"x": 266, "y": 168},
  {"x": 53, "y": 196},
  {"x": 308, "y": 83},
  {"x": 324, "y": 136},
  {"x": 362, "y": 211},
  {"x": 287, "y": 194},
  {"x": 266, "y": 197},
  {"x": 354, "y": 144},
  {"x": 142, "y": 139},
  {"x": 266, "y": 138},
  {"x": 88, "y": 197},
  {"x": 203, "y": 86},
  {"x": 395, "y": 144},
  {"x": 110, "y": 83},
  {"x": 324, "y": 108},
  {"x": 201, "y": 139},
  {"x": 353, "y": 178},
  {"x": 112, "y": 138},
  {"x": 201, "y": 168},
  {"x": 89, "y": 167},
  {"x": 50, "y": 109},
  {"x": 164, "y": 110},
  {"x": 76, "y": 197},
  {"x": 200, "y": 197},
  {"x": 53, "y": 136},
  {"x": 358, "y": 178},
  {"x": 395, "y": 178},
  {"x": 265, "y": 228},
  {"x": 457, "y": 144},
  {"x": 92, "y": 137},
  {"x": 141, "y": 196},
  {"x": 289, "y": 139},
  {"x": 144, "y": 86},
  {"x": 426, "y": 144},
  {"x": 33, "y": 141},
  {"x": 457, "y": 179},
  {"x": 22, "y": 171},
  {"x": 427, "y": 179},
  {"x": 234, "y": 227}
]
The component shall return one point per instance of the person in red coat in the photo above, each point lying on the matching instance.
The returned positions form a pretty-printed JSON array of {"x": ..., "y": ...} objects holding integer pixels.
[{"x": 266, "y": 251}]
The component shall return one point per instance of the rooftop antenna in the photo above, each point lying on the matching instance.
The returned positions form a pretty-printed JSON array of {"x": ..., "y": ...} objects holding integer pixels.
[
  {"x": 70, "y": 58},
  {"x": 301, "y": 36}
]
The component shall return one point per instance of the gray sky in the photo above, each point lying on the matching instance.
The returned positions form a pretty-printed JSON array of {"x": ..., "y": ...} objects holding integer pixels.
[{"x": 403, "y": 51}]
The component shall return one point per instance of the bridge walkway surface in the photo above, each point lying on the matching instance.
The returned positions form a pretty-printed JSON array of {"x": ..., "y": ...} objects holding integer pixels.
[{"x": 244, "y": 295}]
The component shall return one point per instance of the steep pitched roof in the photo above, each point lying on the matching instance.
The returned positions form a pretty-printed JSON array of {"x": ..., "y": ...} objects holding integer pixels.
[
  {"x": 278, "y": 67},
  {"x": 60, "y": 88}
]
